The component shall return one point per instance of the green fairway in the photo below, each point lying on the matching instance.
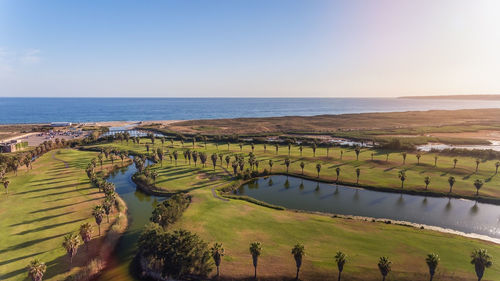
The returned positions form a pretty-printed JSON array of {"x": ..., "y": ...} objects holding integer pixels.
[
  {"x": 42, "y": 206},
  {"x": 381, "y": 172},
  {"x": 236, "y": 223}
]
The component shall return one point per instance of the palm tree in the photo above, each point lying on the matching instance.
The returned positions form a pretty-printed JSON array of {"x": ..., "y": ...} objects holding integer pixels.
[
  {"x": 402, "y": 177},
  {"x": 384, "y": 265},
  {"x": 86, "y": 234},
  {"x": 451, "y": 182},
  {"x": 358, "y": 173},
  {"x": 217, "y": 254},
  {"x": 477, "y": 164},
  {"x": 371, "y": 154},
  {"x": 287, "y": 164},
  {"x": 418, "y": 158},
  {"x": 228, "y": 159},
  {"x": 341, "y": 154},
  {"x": 265, "y": 148},
  {"x": 432, "y": 261},
  {"x": 318, "y": 168},
  {"x": 214, "y": 159},
  {"x": 302, "y": 165},
  {"x": 298, "y": 252},
  {"x": 98, "y": 213},
  {"x": 270, "y": 165},
  {"x": 455, "y": 163},
  {"x": 435, "y": 160},
  {"x": 71, "y": 244},
  {"x": 106, "y": 205},
  {"x": 289, "y": 148},
  {"x": 36, "y": 269},
  {"x": 357, "y": 150},
  {"x": 340, "y": 259},
  {"x": 176, "y": 155},
  {"x": 277, "y": 148},
  {"x": 481, "y": 260},
  {"x": 6, "y": 184},
  {"x": 497, "y": 164},
  {"x": 478, "y": 184},
  {"x": 241, "y": 146},
  {"x": 404, "y": 157},
  {"x": 337, "y": 170},
  {"x": 301, "y": 148},
  {"x": 255, "y": 251},
  {"x": 427, "y": 181},
  {"x": 387, "y": 157},
  {"x": 314, "y": 149}
]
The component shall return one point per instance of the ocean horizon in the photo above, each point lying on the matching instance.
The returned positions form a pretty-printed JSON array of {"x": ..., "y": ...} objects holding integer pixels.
[{"x": 44, "y": 110}]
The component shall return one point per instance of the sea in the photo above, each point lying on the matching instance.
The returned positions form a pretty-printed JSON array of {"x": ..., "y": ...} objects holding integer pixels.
[{"x": 43, "y": 110}]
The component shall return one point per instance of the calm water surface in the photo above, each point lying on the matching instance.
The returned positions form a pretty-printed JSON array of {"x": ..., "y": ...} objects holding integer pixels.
[
  {"x": 42, "y": 110},
  {"x": 140, "y": 206},
  {"x": 461, "y": 215}
]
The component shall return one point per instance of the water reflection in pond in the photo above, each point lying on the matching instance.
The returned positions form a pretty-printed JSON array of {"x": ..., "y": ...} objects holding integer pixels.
[{"x": 462, "y": 215}]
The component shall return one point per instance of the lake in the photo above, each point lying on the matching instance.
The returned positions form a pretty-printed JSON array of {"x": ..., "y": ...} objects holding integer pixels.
[{"x": 457, "y": 214}]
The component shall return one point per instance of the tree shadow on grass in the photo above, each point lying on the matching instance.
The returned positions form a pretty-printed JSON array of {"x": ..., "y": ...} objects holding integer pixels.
[
  {"x": 45, "y": 227},
  {"x": 42, "y": 218},
  {"x": 30, "y": 243}
]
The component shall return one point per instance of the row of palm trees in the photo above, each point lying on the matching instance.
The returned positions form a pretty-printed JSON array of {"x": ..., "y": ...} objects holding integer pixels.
[
  {"x": 314, "y": 146},
  {"x": 479, "y": 258}
]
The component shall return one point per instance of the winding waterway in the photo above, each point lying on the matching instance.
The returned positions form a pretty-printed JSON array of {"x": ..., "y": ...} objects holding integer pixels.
[
  {"x": 461, "y": 215},
  {"x": 140, "y": 206}
]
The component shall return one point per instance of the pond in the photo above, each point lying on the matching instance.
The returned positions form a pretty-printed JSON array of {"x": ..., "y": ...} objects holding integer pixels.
[{"x": 465, "y": 216}]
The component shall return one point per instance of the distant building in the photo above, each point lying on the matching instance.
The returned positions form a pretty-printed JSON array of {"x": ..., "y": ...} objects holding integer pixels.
[
  {"x": 12, "y": 146},
  {"x": 60, "y": 124}
]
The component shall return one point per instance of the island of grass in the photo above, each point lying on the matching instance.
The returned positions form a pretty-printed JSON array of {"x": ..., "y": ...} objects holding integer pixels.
[{"x": 236, "y": 223}]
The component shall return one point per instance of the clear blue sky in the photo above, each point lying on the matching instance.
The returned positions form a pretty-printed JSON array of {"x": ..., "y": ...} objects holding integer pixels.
[{"x": 261, "y": 48}]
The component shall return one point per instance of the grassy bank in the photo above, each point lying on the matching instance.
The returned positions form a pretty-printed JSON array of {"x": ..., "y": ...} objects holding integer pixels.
[{"x": 42, "y": 206}]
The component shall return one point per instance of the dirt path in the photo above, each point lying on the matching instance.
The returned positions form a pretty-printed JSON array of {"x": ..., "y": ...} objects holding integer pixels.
[{"x": 66, "y": 165}]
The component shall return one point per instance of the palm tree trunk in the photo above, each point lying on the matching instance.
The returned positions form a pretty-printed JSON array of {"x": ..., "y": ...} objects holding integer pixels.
[
  {"x": 431, "y": 277},
  {"x": 255, "y": 273},
  {"x": 217, "y": 276},
  {"x": 383, "y": 278},
  {"x": 340, "y": 272},
  {"x": 297, "y": 276}
]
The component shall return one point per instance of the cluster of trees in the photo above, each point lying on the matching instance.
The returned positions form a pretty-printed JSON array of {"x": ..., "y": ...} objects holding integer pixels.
[{"x": 169, "y": 211}]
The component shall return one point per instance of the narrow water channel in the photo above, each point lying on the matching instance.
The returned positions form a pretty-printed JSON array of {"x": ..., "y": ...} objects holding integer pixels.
[
  {"x": 140, "y": 206},
  {"x": 456, "y": 214}
]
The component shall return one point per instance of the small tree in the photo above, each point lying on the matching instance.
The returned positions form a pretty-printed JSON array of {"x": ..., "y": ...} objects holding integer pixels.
[
  {"x": 357, "y": 150},
  {"x": 478, "y": 161},
  {"x": 432, "y": 261},
  {"x": 478, "y": 184},
  {"x": 481, "y": 260},
  {"x": 497, "y": 164},
  {"x": 71, "y": 244},
  {"x": 217, "y": 253},
  {"x": 404, "y": 157},
  {"x": 287, "y": 164},
  {"x": 318, "y": 168},
  {"x": 255, "y": 251},
  {"x": 86, "y": 234},
  {"x": 418, "y": 158},
  {"x": 340, "y": 259},
  {"x": 402, "y": 177},
  {"x": 427, "y": 181},
  {"x": 358, "y": 173},
  {"x": 298, "y": 252},
  {"x": 337, "y": 171},
  {"x": 455, "y": 161},
  {"x": 98, "y": 213},
  {"x": 36, "y": 270},
  {"x": 435, "y": 160},
  {"x": 270, "y": 165},
  {"x": 384, "y": 265},
  {"x": 302, "y": 165},
  {"x": 451, "y": 182}
]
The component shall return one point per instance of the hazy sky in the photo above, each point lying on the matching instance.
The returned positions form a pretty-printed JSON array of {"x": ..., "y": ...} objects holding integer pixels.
[{"x": 242, "y": 48}]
